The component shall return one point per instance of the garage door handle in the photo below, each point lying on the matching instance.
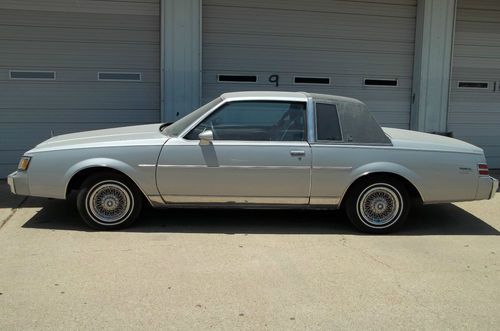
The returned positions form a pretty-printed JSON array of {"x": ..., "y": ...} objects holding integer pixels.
[{"x": 297, "y": 153}]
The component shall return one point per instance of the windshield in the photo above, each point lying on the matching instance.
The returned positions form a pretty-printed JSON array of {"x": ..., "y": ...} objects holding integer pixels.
[{"x": 178, "y": 127}]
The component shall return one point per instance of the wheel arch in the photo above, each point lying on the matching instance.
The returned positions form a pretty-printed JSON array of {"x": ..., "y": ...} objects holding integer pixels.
[
  {"x": 413, "y": 190},
  {"x": 76, "y": 179}
]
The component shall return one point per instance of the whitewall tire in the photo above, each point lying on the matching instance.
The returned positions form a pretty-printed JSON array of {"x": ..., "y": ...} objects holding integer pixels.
[
  {"x": 108, "y": 201},
  {"x": 378, "y": 205}
]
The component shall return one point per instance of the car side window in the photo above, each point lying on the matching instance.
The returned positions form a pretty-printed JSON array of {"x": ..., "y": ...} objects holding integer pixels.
[
  {"x": 327, "y": 123},
  {"x": 255, "y": 121}
]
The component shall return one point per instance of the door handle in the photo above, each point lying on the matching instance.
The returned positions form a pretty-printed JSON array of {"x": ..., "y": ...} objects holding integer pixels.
[{"x": 297, "y": 153}]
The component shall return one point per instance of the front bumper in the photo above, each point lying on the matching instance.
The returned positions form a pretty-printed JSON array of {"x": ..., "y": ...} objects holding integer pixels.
[{"x": 18, "y": 182}]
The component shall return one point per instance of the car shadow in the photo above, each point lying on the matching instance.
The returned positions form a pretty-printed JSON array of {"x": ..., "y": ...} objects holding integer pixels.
[
  {"x": 445, "y": 219},
  {"x": 12, "y": 201}
]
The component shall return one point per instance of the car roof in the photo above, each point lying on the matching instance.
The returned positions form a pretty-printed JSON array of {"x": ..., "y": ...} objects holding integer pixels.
[{"x": 285, "y": 95}]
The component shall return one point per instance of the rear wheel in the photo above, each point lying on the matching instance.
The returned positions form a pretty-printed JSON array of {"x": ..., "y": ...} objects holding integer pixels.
[
  {"x": 109, "y": 201},
  {"x": 378, "y": 205}
]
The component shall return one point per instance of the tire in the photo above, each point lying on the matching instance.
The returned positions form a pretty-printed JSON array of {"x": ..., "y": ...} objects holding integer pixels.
[
  {"x": 378, "y": 205},
  {"x": 109, "y": 201}
]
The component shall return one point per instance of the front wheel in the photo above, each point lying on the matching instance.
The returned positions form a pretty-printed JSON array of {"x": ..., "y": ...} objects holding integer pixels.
[
  {"x": 378, "y": 205},
  {"x": 109, "y": 201}
]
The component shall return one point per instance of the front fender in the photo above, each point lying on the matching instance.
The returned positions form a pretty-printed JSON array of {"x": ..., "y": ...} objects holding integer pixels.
[
  {"x": 143, "y": 178},
  {"x": 99, "y": 162}
]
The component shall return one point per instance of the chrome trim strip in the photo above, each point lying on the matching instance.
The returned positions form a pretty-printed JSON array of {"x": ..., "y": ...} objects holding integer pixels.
[
  {"x": 229, "y": 167},
  {"x": 235, "y": 199},
  {"x": 324, "y": 201},
  {"x": 332, "y": 168},
  {"x": 146, "y": 165},
  {"x": 181, "y": 166}
]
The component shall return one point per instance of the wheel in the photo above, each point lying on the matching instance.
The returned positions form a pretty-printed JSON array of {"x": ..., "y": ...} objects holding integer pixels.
[
  {"x": 109, "y": 201},
  {"x": 378, "y": 205}
]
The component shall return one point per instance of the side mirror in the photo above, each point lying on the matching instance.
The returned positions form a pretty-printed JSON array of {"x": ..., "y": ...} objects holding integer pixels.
[{"x": 206, "y": 137}]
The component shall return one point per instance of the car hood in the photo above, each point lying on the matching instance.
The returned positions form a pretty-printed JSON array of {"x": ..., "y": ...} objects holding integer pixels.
[
  {"x": 123, "y": 136},
  {"x": 427, "y": 141}
]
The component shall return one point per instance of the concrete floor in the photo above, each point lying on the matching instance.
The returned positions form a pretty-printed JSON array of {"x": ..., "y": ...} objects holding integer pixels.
[{"x": 251, "y": 270}]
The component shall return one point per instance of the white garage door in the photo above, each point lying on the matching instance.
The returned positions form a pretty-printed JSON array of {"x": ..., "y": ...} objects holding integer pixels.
[
  {"x": 474, "y": 112},
  {"x": 360, "y": 49},
  {"x": 67, "y": 66}
]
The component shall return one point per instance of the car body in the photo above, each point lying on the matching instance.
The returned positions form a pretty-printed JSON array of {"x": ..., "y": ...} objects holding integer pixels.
[{"x": 258, "y": 149}]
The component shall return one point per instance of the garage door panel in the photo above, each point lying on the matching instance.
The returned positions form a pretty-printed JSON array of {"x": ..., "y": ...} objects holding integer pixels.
[
  {"x": 84, "y": 95},
  {"x": 467, "y": 73},
  {"x": 307, "y": 24},
  {"x": 73, "y": 54},
  {"x": 79, "y": 35},
  {"x": 476, "y": 117},
  {"x": 469, "y": 98},
  {"x": 471, "y": 16},
  {"x": 293, "y": 22},
  {"x": 139, "y": 7},
  {"x": 72, "y": 20},
  {"x": 478, "y": 39},
  {"x": 477, "y": 62},
  {"x": 376, "y": 8},
  {"x": 477, "y": 52},
  {"x": 253, "y": 59},
  {"x": 483, "y": 5},
  {"x": 327, "y": 43}
]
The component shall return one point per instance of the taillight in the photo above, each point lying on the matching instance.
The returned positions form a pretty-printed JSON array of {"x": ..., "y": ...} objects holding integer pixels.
[{"x": 483, "y": 169}]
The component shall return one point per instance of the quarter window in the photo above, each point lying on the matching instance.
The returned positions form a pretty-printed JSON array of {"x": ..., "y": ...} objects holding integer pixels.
[
  {"x": 255, "y": 121},
  {"x": 327, "y": 123}
]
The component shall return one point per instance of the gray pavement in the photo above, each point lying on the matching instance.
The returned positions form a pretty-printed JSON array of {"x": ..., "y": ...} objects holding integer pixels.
[{"x": 250, "y": 270}]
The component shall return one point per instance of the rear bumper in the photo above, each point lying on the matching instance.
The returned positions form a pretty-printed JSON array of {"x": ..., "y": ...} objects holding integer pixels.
[
  {"x": 494, "y": 189},
  {"x": 18, "y": 182},
  {"x": 487, "y": 187}
]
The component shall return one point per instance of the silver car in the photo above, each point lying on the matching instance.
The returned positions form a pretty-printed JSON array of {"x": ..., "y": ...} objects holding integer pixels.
[{"x": 257, "y": 149}]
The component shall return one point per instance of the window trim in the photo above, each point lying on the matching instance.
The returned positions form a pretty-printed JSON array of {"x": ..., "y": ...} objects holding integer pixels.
[
  {"x": 316, "y": 140},
  {"x": 44, "y": 71},
  {"x": 119, "y": 80},
  {"x": 473, "y": 88},
  {"x": 226, "y": 102},
  {"x": 380, "y": 79},
  {"x": 237, "y": 82},
  {"x": 313, "y": 77}
]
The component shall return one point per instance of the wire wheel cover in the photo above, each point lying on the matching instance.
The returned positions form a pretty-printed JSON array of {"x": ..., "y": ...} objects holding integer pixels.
[
  {"x": 109, "y": 202},
  {"x": 379, "y": 205}
]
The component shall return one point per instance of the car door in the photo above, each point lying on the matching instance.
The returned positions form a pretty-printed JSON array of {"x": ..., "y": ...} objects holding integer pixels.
[{"x": 259, "y": 155}]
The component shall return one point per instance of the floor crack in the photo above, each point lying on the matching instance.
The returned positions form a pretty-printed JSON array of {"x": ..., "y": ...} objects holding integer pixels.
[{"x": 13, "y": 212}]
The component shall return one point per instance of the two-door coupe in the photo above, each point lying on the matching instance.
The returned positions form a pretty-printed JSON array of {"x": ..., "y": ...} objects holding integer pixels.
[{"x": 257, "y": 149}]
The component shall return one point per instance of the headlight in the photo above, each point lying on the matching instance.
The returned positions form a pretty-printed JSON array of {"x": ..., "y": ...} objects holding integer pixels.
[{"x": 24, "y": 163}]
